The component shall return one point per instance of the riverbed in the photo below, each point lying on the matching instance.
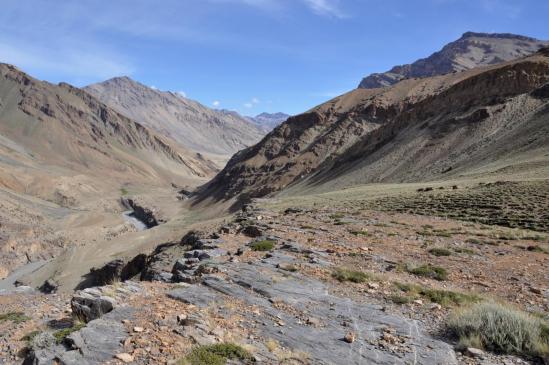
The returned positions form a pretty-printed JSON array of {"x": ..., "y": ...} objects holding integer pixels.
[{"x": 129, "y": 217}]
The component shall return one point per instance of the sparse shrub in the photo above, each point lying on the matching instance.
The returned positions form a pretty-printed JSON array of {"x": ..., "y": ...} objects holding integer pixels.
[
  {"x": 535, "y": 249},
  {"x": 217, "y": 354},
  {"x": 264, "y": 245},
  {"x": 476, "y": 241},
  {"x": 504, "y": 236},
  {"x": 429, "y": 271},
  {"x": 16, "y": 317},
  {"x": 436, "y": 232},
  {"x": 30, "y": 336},
  {"x": 439, "y": 251},
  {"x": 124, "y": 191},
  {"x": 363, "y": 232},
  {"x": 350, "y": 275},
  {"x": 445, "y": 298},
  {"x": 400, "y": 299},
  {"x": 501, "y": 329},
  {"x": 448, "y": 298},
  {"x": 464, "y": 250},
  {"x": 62, "y": 334}
]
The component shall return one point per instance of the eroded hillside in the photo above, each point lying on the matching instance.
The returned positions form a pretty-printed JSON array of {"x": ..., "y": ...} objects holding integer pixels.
[{"x": 471, "y": 122}]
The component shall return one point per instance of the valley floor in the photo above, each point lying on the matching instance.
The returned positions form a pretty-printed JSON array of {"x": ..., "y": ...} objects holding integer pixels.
[{"x": 346, "y": 277}]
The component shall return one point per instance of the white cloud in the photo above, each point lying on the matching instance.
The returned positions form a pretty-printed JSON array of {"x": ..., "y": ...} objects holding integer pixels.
[
  {"x": 216, "y": 103},
  {"x": 182, "y": 93},
  {"x": 319, "y": 7},
  {"x": 79, "y": 63},
  {"x": 326, "y": 8},
  {"x": 250, "y": 104}
]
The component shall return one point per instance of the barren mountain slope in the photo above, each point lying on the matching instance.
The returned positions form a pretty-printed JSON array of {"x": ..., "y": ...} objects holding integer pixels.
[
  {"x": 65, "y": 126},
  {"x": 464, "y": 119},
  {"x": 186, "y": 121},
  {"x": 470, "y": 51},
  {"x": 63, "y": 153}
]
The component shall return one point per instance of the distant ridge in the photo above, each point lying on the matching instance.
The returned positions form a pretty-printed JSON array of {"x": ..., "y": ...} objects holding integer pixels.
[
  {"x": 470, "y": 51},
  {"x": 269, "y": 121},
  {"x": 191, "y": 124}
]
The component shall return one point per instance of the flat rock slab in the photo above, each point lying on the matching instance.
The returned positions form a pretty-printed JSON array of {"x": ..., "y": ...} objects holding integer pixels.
[
  {"x": 96, "y": 343},
  {"x": 261, "y": 284}
]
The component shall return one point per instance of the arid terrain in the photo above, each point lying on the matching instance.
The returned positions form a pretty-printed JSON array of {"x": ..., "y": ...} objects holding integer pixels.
[{"x": 403, "y": 224}]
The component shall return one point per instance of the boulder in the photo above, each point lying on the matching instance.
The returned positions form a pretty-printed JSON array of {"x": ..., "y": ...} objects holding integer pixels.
[
  {"x": 49, "y": 286},
  {"x": 90, "y": 304}
]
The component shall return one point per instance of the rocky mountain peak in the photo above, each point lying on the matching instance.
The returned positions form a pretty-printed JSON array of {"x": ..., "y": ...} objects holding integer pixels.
[
  {"x": 470, "y": 51},
  {"x": 191, "y": 124}
]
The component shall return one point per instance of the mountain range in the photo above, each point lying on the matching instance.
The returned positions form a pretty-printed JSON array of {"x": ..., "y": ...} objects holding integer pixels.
[
  {"x": 215, "y": 133},
  {"x": 269, "y": 121},
  {"x": 474, "y": 122},
  {"x": 470, "y": 51}
]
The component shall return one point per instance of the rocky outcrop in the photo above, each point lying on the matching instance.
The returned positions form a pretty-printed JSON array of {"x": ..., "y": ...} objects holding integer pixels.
[
  {"x": 114, "y": 271},
  {"x": 470, "y": 51},
  {"x": 319, "y": 321},
  {"x": 90, "y": 304},
  {"x": 93, "y": 303},
  {"x": 97, "y": 343},
  {"x": 144, "y": 214}
]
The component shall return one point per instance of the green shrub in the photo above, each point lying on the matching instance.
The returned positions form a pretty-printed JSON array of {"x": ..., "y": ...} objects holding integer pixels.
[
  {"x": 535, "y": 249},
  {"x": 429, "y": 271},
  {"x": 445, "y": 298},
  {"x": 464, "y": 250},
  {"x": 476, "y": 241},
  {"x": 501, "y": 329},
  {"x": 439, "y": 251},
  {"x": 30, "y": 336},
  {"x": 217, "y": 354},
  {"x": 16, "y": 317},
  {"x": 62, "y": 334},
  {"x": 264, "y": 245},
  {"x": 351, "y": 275},
  {"x": 400, "y": 299}
]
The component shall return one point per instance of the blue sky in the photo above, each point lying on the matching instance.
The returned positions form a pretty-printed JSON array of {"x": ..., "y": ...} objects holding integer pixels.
[{"x": 245, "y": 55}]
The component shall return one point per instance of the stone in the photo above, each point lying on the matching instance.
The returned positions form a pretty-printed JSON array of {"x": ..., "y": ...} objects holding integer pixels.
[
  {"x": 49, "y": 286},
  {"x": 350, "y": 337},
  {"x": 373, "y": 285},
  {"x": 255, "y": 285},
  {"x": 90, "y": 304},
  {"x": 138, "y": 329},
  {"x": 97, "y": 343},
  {"x": 252, "y": 231},
  {"x": 473, "y": 352},
  {"x": 313, "y": 321},
  {"x": 124, "y": 357}
]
